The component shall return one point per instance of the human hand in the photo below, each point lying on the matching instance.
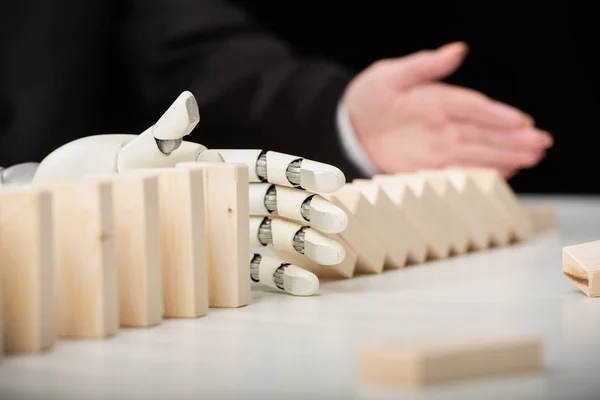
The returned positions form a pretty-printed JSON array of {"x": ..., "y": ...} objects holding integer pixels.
[{"x": 406, "y": 120}]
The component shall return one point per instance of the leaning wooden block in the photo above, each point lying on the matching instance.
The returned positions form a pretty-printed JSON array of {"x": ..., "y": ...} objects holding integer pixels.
[
  {"x": 505, "y": 200},
  {"x": 497, "y": 227},
  {"x": 581, "y": 264},
  {"x": 462, "y": 212},
  {"x": 27, "y": 267},
  {"x": 543, "y": 217},
  {"x": 184, "y": 244},
  {"x": 86, "y": 278},
  {"x": 138, "y": 246},
  {"x": 382, "y": 222},
  {"x": 228, "y": 232},
  {"x": 424, "y": 363},
  {"x": 370, "y": 253}
]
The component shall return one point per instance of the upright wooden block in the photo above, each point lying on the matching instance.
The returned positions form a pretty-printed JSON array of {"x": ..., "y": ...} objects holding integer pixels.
[
  {"x": 429, "y": 362},
  {"x": 138, "y": 246},
  {"x": 370, "y": 253},
  {"x": 505, "y": 200},
  {"x": 382, "y": 222},
  {"x": 86, "y": 284},
  {"x": 27, "y": 267},
  {"x": 496, "y": 225},
  {"x": 228, "y": 221},
  {"x": 581, "y": 264},
  {"x": 477, "y": 234},
  {"x": 181, "y": 197},
  {"x": 343, "y": 270}
]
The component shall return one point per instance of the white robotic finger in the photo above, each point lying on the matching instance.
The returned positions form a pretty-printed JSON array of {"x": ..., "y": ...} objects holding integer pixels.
[
  {"x": 18, "y": 174},
  {"x": 288, "y": 236},
  {"x": 287, "y": 170},
  {"x": 283, "y": 276},
  {"x": 297, "y": 205}
]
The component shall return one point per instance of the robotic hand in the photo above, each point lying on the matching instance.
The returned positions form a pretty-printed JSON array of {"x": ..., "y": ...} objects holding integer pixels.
[{"x": 281, "y": 185}]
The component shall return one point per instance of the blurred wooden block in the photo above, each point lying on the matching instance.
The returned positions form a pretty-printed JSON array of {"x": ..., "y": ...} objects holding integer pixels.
[
  {"x": 581, "y": 264},
  {"x": 138, "y": 247},
  {"x": 418, "y": 214},
  {"x": 543, "y": 217},
  {"x": 477, "y": 234},
  {"x": 184, "y": 244},
  {"x": 370, "y": 253},
  {"x": 497, "y": 227},
  {"x": 428, "y": 362},
  {"x": 27, "y": 267},
  {"x": 382, "y": 222},
  {"x": 228, "y": 232},
  {"x": 505, "y": 201},
  {"x": 86, "y": 279},
  {"x": 342, "y": 270}
]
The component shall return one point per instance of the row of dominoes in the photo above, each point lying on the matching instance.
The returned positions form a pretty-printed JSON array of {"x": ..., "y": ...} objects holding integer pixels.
[
  {"x": 397, "y": 220},
  {"x": 82, "y": 258}
]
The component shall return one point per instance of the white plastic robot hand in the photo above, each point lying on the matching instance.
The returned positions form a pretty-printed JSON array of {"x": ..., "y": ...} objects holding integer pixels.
[{"x": 286, "y": 210}]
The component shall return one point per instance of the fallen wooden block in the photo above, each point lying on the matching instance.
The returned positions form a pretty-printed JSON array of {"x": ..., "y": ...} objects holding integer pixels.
[
  {"x": 543, "y": 217},
  {"x": 370, "y": 253},
  {"x": 426, "y": 228},
  {"x": 382, "y": 222},
  {"x": 505, "y": 201},
  {"x": 27, "y": 267},
  {"x": 184, "y": 244},
  {"x": 138, "y": 247},
  {"x": 581, "y": 264},
  {"x": 86, "y": 273},
  {"x": 228, "y": 228},
  {"x": 463, "y": 214},
  {"x": 429, "y": 362}
]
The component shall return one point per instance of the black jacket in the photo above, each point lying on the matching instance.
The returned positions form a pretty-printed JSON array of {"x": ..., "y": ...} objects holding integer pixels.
[{"x": 72, "y": 68}]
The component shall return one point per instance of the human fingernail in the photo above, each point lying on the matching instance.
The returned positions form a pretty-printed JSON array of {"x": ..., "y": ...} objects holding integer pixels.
[{"x": 459, "y": 48}]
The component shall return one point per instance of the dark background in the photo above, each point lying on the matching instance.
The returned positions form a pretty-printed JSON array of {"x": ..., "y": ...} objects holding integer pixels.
[{"x": 539, "y": 58}]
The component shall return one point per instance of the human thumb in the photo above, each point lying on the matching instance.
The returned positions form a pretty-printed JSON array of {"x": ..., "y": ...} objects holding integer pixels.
[{"x": 426, "y": 65}]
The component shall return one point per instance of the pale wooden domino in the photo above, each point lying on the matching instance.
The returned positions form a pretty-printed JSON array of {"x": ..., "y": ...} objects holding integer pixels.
[
  {"x": 228, "y": 232},
  {"x": 378, "y": 222},
  {"x": 27, "y": 267},
  {"x": 370, "y": 253},
  {"x": 342, "y": 270},
  {"x": 505, "y": 201},
  {"x": 422, "y": 363},
  {"x": 496, "y": 225},
  {"x": 184, "y": 244},
  {"x": 138, "y": 247},
  {"x": 543, "y": 217},
  {"x": 478, "y": 235},
  {"x": 86, "y": 274},
  {"x": 581, "y": 264}
]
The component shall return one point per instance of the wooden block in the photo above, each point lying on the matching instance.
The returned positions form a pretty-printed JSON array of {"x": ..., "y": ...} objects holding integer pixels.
[
  {"x": 543, "y": 217},
  {"x": 462, "y": 211},
  {"x": 27, "y": 267},
  {"x": 496, "y": 225},
  {"x": 370, "y": 253},
  {"x": 505, "y": 200},
  {"x": 228, "y": 222},
  {"x": 381, "y": 220},
  {"x": 181, "y": 194},
  {"x": 429, "y": 362},
  {"x": 581, "y": 264},
  {"x": 342, "y": 270},
  {"x": 86, "y": 278},
  {"x": 138, "y": 247}
]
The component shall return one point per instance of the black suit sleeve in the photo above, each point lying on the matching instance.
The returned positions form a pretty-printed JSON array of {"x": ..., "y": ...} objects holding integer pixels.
[{"x": 252, "y": 90}]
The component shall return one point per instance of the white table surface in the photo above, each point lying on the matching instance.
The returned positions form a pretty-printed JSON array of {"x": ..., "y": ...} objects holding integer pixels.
[{"x": 284, "y": 347}]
